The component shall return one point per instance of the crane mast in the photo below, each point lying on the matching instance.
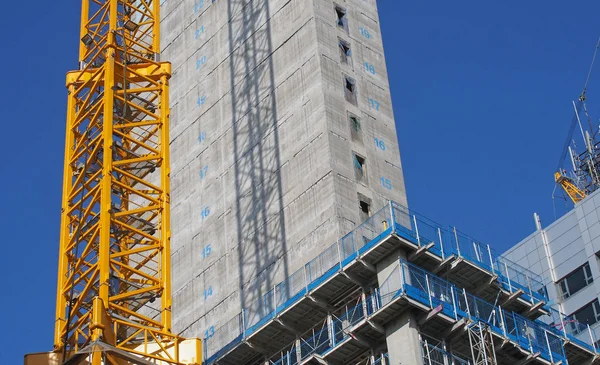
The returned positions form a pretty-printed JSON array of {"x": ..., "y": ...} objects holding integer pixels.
[{"x": 113, "y": 303}]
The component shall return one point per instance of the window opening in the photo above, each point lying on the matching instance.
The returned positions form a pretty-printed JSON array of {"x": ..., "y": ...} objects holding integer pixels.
[
  {"x": 364, "y": 208},
  {"x": 345, "y": 52},
  {"x": 575, "y": 281},
  {"x": 588, "y": 314},
  {"x": 350, "y": 90},
  {"x": 342, "y": 18},
  {"x": 360, "y": 168},
  {"x": 355, "y": 128}
]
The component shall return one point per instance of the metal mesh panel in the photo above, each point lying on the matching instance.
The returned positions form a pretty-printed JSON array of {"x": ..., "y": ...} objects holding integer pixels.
[
  {"x": 433, "y": 355},
  {"x": 290, "y": 287},
  {"x": 402, "y": 215},
  {"x": 347, "y": 246},
  {"x": 440, "y": 289},
  {"x": 417, "y": 278},
  {"x": 223, "y": 335},
  {"x": 472, "y": 250},
  {"x": 372, "y": 227},
  {"x": 429, "y": 232},
  {"x": 259, "y": 309},
  {"x": 391, "y": 285},
  {"x": 526, "y": 279},
  {"x": 316, "y": 343},
  {"x": 322, "y": 263},
  {"x": 531, "y": 335},
  {"x": 484, "y": 311},
  {"x": 569, "y": 326},
  {"x": 426, "y": 287}
]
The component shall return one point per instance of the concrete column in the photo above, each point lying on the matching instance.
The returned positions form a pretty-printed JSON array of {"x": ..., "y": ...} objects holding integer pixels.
[
  {"x": 402, "y": 334},
  {"x": 402, "y": 338},
  {"x": 385, "y": 267}
]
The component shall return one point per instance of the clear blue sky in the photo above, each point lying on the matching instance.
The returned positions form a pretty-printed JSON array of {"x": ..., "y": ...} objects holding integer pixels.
[{"x": 481, "y": 92}]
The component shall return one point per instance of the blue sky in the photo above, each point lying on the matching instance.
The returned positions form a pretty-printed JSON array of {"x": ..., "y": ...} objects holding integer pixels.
[{"x": 481, "y": 92}]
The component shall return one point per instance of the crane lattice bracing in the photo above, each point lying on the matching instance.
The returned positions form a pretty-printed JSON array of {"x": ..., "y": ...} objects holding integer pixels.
[
  {"x": 575, "y": 194},
  {"x": 114, "y": 295},
  {"x": 482, "y": 346}
]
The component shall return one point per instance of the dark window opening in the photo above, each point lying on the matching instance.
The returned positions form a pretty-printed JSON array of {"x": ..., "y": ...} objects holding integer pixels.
[
  {"x": 587, "y": 315},
  {"x": 342, "y": 18},
  {"x": 345, "y": 52},
  {"x": 355, "y": 128},
  {"x": 364, "y": 207},
  {"x": 350, "y": 90},
  {"x": 575, "y": 281},
  {"x": 360, "y": 168}
]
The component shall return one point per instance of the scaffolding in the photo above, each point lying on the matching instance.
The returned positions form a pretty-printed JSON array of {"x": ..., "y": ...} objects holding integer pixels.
[
  {"x": 327, "y": 315},
  {"x": 482, "y": 346}
]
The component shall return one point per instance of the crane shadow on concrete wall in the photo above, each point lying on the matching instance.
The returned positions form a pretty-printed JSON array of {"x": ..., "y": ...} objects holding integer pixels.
[{"x": 261, "y": 238}]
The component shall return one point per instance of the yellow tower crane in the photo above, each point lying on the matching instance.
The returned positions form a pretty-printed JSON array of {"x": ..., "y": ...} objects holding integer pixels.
[{"x": 113, "y": 302}]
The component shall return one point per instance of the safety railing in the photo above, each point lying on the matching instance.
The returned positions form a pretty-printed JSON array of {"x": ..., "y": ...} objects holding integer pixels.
[
  {"x": 450, "y": 241},
  {"x": 532, "y": 336},
  {"x": 382, "y": 360},
  {"x": 225, "y": 337},
  {"x": 311, "y": 275},
  {"x": 420, "y": 285},
  {"x": 392, "y": 218},
  {"x": 568, "y": 327},
  {"x": 434, "y": 355},
  {"x": 329, "y": 334}
]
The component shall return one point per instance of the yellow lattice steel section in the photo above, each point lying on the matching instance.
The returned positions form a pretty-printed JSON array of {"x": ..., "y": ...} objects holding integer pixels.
[
  {"x": 574, "y": 193},
  {"x": 114, "y": 295}
]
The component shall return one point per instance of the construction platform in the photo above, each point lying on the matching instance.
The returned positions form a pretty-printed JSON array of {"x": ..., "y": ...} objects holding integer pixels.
[{"x": 332, "y": 310}]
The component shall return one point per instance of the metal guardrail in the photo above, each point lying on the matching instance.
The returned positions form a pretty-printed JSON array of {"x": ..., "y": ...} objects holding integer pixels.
[
  {"x": 417, "y": 284},
  {"x": 451, "y": 241},
  {"x": 411, "y": 226},
  {"x": 568, "y": 327},
  {"x": 428, "y": 289},
  {"x": 434, "y": 355},
  {"x": 382, "y": 360}
]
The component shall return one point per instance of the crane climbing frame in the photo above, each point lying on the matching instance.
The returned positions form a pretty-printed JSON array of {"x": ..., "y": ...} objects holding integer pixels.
[{"x": 113, "y": 303}]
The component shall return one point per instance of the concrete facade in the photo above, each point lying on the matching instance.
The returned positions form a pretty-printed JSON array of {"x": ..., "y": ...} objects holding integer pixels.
[
  {"x": 283, "y": 141},
  {"x": 561, "y": 250},
  {"x": 269, "y": 166}
]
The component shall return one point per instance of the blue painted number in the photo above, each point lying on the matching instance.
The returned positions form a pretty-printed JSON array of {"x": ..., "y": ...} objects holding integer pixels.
[
  {"x": 386, "y": 183},
  {"x": 198, "y": 5},
  {"x": 200, "y": 62},
  {"x": 199, "y": 32},
  {"x": 380, "y": 144},
  {"x": 370, "y": 68},
  {"x": 209, "y": 332},
  {"x": 201, "y": 101},
  {"x": 201, "y": 137},
  {"x": 206, "y": 251},
  {"x": 203, "y": 172},
  {"x": 374, "y": 104},
  {"x": 208, "y": 292},
  {"x": 365, "y": 33},
  {"x": 205, "y": 212}
]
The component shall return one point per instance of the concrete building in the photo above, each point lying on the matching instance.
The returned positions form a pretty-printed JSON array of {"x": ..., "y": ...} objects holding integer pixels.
[
  {"x": 291, "y": 240},
  {"x": 567, "y": 253},
  {"x": 283, "y": 139}
]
